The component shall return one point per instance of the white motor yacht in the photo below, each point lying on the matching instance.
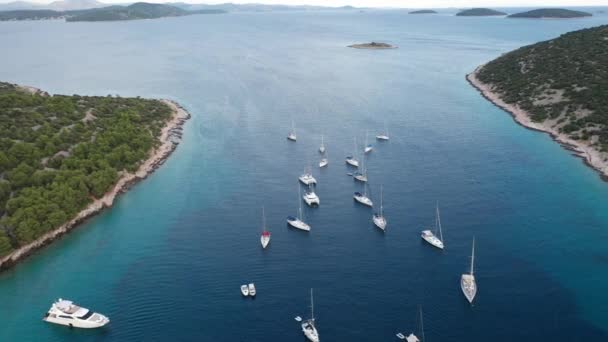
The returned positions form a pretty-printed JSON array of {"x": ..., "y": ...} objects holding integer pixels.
[
  {"x": 251, "y": 290},
  {"x": 65, "y": 312},
  {"x": 245, "y": 290}
]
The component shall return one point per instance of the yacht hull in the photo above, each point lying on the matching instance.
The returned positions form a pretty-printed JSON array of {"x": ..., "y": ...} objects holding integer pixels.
[
  {"x": 431, "y": 239},
  {"x": 299, "y": 225},
  {"x": 468, "y": 286},
  {"x": 380, "y": 222}
]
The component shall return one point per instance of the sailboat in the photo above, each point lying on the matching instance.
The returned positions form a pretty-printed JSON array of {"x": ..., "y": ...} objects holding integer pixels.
[
  {"x": 265, "y": 237},
  {"x": 467, "y": 281},
  {"x": 411, "y": 337},
  {"x": 292, "y": 134},
  {"x": 361, "y": 176},
  {"x": 308, "y": 326},
  {"x": 379, "y": 219},
  {"x": 368, "y": 147},
  {"x": 297, "y": 222},
  {"x": 350, "y": 159},
  {"x": 324, "y": 161},
  {"x": 362, "y": 197},
  {"x": 430, "y": 237},
  {"x": 383, "y": 136},
  {"x": 322, "y": 147}
]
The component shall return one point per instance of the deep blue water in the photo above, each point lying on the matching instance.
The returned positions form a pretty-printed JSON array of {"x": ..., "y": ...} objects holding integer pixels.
[{"x": 165, "y": 263}]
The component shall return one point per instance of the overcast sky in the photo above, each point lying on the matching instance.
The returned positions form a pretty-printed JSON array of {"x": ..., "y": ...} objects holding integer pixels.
[{"x": 393, "y": 3}]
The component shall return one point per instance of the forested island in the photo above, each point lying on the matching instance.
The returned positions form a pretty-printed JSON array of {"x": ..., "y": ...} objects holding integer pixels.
[
  {"x": 557, "y": 13},
  {"x": 372, "y": 45},
  {"x": 138, "y": 10},
  {"x": 423, "y": 12},
  {"x": 559, "y": 86},
  {"x": 64, "y": 158},
  {"x": 479, "y": 12}
]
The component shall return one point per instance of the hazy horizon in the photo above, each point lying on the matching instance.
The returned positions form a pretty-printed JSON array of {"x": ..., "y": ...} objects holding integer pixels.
[{"x": 382, "y": 3}]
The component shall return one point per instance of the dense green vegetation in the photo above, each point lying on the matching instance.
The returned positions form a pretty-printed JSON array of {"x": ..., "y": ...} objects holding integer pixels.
[
  {"x": 138, "y": 10},
  {"x": 563, "y": 82},
  {"x": 58, "y": 153},
  {"x": 551, "y": 13},
  {"x": 479, "y": 12},
  {"x": 423, "y": 12}
]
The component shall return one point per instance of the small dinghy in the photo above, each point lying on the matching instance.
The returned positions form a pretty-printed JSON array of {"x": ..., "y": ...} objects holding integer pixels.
[
  {"x": 245, "y": 290},
  {"x": 251, "y": 288}
]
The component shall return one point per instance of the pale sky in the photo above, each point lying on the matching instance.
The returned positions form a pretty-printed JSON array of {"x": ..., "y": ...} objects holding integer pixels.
[{"x": 392, "y": 3}]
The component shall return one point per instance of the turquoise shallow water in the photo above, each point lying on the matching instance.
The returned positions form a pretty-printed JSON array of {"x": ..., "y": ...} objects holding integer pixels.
[{"x": 166, "y": 261}]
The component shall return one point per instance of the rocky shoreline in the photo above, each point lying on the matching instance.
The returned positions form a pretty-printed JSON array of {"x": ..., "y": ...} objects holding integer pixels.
[
  {"x": 169, "y": 139},
  {"x": 591, "y": 156}
]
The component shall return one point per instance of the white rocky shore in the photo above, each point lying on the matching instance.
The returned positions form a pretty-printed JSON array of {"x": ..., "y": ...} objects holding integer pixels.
[{"x": 590, "y": 154}]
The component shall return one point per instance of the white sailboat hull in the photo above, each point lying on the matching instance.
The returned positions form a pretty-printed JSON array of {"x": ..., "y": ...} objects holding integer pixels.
[
  {"x": 363, "y": 200},
  {"x": 244, "y": 290},
  {"x": 368, "y": 149},
  {"x": 323, "y": 163},
  {"x": 265, "y": 240},
  {"x": 352, "y": 162},
  {"x": 292, "y": 137},
  {"x": 380, "y": 222},
  {"x": 299, "y": 224},
  {"x": 382, "y": 137},
  {"x": 429, "y": 237},
  {"x": 322, "y": 149},
  {"x": 360, "y": 178},
  {"x": 468, "y": 286},
  {"x": 310, "y": 331}
]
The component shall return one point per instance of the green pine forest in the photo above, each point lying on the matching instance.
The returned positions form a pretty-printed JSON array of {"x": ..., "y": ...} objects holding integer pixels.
[{"x": 58, "y": 153}]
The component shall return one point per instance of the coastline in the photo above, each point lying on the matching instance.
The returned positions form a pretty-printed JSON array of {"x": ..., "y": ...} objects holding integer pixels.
[
  {"x": 169, "y": 138},
  {"x": 591, "y": 156}
]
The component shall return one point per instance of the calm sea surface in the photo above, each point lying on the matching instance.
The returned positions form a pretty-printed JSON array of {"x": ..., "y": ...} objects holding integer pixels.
[{"x": 166, "y": 262}]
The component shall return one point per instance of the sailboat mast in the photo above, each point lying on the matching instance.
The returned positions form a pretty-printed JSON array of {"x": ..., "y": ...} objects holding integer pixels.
[
  {"x": 299, "y": 202},
  {"x": 439, "y": 223},
  {"x": 263, "y": 220},
  {"x": 381, "y": 194},
  {"x": 473, "y": 256},
  {"x": 312, "y": 306},
  {"x": 422, "y": 325}
]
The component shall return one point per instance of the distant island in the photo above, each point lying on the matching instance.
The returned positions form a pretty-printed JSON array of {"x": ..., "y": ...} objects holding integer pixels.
[
  {"x": 559, "y": 86},
  {"x": 423, "y": 12},
  {"x": 138, "y": 10},
  {"x": 558, "y": 13},
  {"x": 479, "y": 12},
  {"x": 65, "y": 158},
  {"x": 373, "y": 45}
]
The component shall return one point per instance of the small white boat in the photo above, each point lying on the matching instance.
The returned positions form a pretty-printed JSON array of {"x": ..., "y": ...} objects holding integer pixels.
[
  {"x": 245, "y": 290},
  {"x": 307, "y": 179},
  {"x": 308, "y": 326},
  {"x": 467, "y": 281},
  {"x": 362, "y": 198},
  {"x": 265, "y": 237},
  {"x": 311, "y": 198},
  {"x": 368, "y": 146},
  {"x": 298, "y": 222},
  {"x": 65, "y": 312},
  {"x": 379, "y": 219},
  {"x": 292, "y": 134},
  {"x": 383, "y": 136},
  {"x": 322, "y": 147},
  {"x": 323, "y": 162},
  {"x": 350, "y": 160},
  {"x": 430, "y": 237},
  {"x": 251, "y": 290},
  {"x": 411, "y": 337}
]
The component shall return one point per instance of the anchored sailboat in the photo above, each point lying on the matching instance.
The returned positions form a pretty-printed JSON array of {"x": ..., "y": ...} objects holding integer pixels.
[
  {"x": 311, "y": 198},
  {"x": 467, "y": 281},
  {"x": 383, "y": 136},
  {"x": 379, "y": 219},
  {"x": 297, "y": 222},
  {"x": 361, "y": 176},
  {"x": 292, "y": 134},
  {"x": 306, "y": 178},
  {"x": 265, "y": 238},
  {"x": 362, "y": 197},
  {"x": 322, "y": 147},
  {"x": 308, "y": 326},
  {"x": 430, "y": 237},
  {"x": 350, "y": 159},
  {"x": 368, "y": 146},
  {"x": 411, "y": 337}
]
